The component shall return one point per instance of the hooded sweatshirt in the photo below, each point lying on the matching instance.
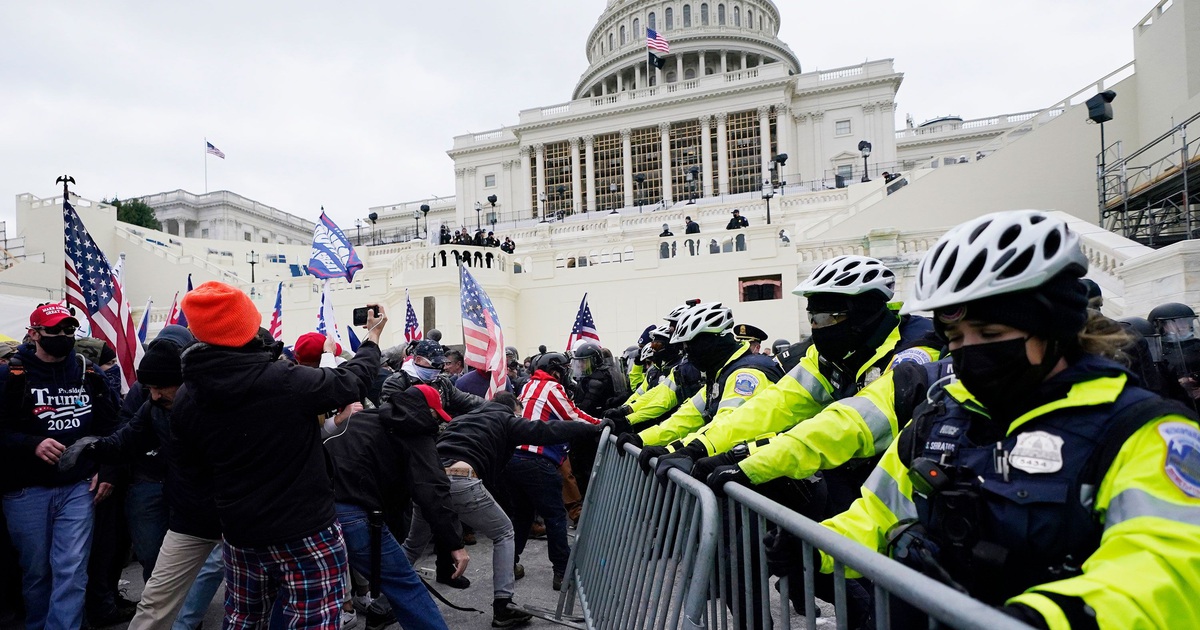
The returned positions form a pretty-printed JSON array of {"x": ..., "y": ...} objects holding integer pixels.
[{"x": 50, "y": 400}]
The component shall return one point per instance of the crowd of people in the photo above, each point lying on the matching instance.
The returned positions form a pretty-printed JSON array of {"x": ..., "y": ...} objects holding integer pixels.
[
  {"x": 1016, "y": 445},
  {"x": 462, "y": 236}
]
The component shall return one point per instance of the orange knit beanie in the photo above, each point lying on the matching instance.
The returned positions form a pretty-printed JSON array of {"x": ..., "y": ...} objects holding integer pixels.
[{"x": 221, "y": 315}]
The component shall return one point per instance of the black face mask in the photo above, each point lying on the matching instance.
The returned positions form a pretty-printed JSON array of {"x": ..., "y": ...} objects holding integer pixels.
[
  {"x": 1000, "y": 376},
  {"x": 57, "y": 346},
  {"x": 836, "y": 341}
]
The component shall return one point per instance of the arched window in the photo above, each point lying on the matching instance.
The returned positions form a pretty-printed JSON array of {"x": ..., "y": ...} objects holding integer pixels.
[
  {"x": 689, "y": 74},
  {"x": 687, "y": 16},
  {"x": 721, "y": 15},
  {"x": 651, "y": 23},
  {"x": 670, "y": 16},
  {"x": 671, "y": 76},
  {"x": 622, "y": 34},
  {"x": 749, "y": 18},
  {"x": 637, "y": 29},
  {"x": 704, "y": 14},
  {"x": 737, "y": 16},
  {"x": 610, "y": 42}
]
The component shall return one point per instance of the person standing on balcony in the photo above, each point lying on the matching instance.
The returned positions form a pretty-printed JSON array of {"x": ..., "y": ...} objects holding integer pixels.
[{"x": 737, "y": 221}]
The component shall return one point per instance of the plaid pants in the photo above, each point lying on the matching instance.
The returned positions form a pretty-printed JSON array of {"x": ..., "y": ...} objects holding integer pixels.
[{"x": 308, "y": 577}]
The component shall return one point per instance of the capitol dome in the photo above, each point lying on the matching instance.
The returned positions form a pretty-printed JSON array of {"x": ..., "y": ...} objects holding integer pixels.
[{"x": 706, "y": 37}]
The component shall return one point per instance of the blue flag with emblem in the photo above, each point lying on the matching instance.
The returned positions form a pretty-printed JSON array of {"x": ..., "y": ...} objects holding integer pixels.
[{"x": 332, "y": 254}]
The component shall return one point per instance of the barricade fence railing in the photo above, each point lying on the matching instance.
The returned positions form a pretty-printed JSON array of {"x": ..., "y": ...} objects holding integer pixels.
[{"x": 672, "y": 555}]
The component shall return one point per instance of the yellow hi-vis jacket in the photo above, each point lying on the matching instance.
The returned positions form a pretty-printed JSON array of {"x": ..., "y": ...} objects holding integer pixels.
[
  {"x": 740, "y": 386},
  {"x": 660, "y": 399},
  {"x": 801, "y": 394},
  {"x": 1144, "y": 572}
]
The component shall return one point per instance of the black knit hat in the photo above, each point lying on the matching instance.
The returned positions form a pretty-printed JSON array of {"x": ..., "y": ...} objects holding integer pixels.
[
  {"x": 1057, "y": 310},
  {"x": 160, "y": 367}
]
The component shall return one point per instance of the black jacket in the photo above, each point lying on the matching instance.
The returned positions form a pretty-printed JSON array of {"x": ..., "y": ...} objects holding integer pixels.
[
  {"x": 251, "y": 422},
  {"x": 486, "y": 437},
  {"x": 692, "y": 228},
  {"x": 737, "y": 223},
  {"x": 189, "y": 497},
  {"x": 386, "y": 457},
  {"x": 454, "y": 400}
]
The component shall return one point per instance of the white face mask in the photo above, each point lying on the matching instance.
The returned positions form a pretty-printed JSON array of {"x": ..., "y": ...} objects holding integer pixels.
[{"x": 425, "y": 374}]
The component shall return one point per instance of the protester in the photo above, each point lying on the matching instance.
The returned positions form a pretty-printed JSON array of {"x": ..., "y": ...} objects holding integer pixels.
[{"x": 274, "y": 498}]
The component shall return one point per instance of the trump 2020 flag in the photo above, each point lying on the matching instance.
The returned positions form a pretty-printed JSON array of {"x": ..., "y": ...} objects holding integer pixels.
[
  {"x": 483, "y": 340},
  {"x": 276, "y": 328},
  {"x": 145, "y": 325},
  {"x": 584, "y": 328},
  {"x": 326, "y": 322},
  {"x": 332, "y": 254},
  {"x": 175, "y": 314},
  {"x": 95, "y": 289},
  {"x": 412, "y": 328}
]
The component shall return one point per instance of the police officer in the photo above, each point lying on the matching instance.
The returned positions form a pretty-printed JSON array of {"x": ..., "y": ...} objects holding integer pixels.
[
  {"x": 1042, "y": 479},
  {"x": 750, "y": 334},
  {"x": 682, "y": 381}
]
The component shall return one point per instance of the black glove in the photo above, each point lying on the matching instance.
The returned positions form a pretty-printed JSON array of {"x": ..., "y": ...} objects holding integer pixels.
[
  {"x": 628, "y": 438},
  {"x": 71, "y": 456},
  {"x": 785, "y": 552},
  {"x": 617, "y": 416},
  {"x": 718, "y": 478},
  {"x": 1026, "y": 615},
  {"x": 617, "y": 412},
  {"x": 706, "y": 465},
  {"x": 683, "y": 459},
  {"x": 648, "y": 453}
]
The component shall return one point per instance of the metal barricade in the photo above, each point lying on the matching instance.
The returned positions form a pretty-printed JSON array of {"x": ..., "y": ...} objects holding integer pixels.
[
  {"x": 644, "y": 550},
  {"x": 654, "y": 555}
]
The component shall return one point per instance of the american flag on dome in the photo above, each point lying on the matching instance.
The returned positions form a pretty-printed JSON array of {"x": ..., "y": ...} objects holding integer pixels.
[
  {"x": 214, "y": 150},
  {"x": 412, "y": 327},
  {"x": 656, "y": 41},
  {"x": 584, "y": 328},
  {"x": 482, "y": 337},
  {"x": 276, "y": 328},
  {"x": 93, "y": 288}
]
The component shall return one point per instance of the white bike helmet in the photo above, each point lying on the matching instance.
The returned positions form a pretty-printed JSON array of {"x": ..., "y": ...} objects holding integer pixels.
[
  {"x": 997, "y": 253},
  {"x": 710, "y": 317},
  {"x": 662, "y": 332},
  {"x": 646, "y": 354},
  {"x": 849, "y": 275}
]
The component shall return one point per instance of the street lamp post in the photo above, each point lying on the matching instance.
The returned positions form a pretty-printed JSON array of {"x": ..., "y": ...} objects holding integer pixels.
[
  {"x": 612, "y": 191},
  {"x": 542, "y": 201},
  {"x": 693, "y": 175},
  {"x": 425, "y": 211},
  {"x": 358, "y": 226},
  {"x": 492, "y": 199},
  {"x": 252, "y": 258},
  {"x": 374, "y": 216},
  {"x": 478, "y": 210},
  {"x": 768, "y": 191},
  {"x": 558, "y": 211},
  {"x": 865, "y": 148},
  {"x": 416, "y": 224},
  {"x": 640, "y": 179}
]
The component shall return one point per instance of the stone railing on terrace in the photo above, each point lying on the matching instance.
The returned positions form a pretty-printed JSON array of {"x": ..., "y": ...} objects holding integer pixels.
[
  {"x": 1106, "y": 253},
  {"x": 967, "y": 126},
  {"x": 451, "y": 256},
  {"x": 821, "y": 78},
  {"x": 232, "y": 199},
  {"x": 175, "y": 255}
]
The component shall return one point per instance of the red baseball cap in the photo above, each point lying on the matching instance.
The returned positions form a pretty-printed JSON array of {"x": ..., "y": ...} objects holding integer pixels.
[
  {"x": 309, "y": 347},
  {"x": 433, "y": 399},
  {"x": 51, "y": 315}
]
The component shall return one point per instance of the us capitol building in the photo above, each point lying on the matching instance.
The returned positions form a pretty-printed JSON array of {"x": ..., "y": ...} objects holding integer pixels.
[{"x": 730, "y": 119}]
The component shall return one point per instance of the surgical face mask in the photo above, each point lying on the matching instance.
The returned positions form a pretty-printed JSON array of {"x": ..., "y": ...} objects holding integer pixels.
[
  {"x": 425, "y": 374},
  {"x": 1000, "y": 376},
  {"x": 57, "y": 346}
]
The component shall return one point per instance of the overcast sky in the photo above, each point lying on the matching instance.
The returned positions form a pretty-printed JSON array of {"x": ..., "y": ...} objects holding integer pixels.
[{"x": 319, "y": 103}]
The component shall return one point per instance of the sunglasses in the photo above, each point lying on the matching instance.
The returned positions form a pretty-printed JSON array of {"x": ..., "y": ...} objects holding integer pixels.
[
  {"x": 60, "y": 329},
  {"x": 821, "y": 320}
]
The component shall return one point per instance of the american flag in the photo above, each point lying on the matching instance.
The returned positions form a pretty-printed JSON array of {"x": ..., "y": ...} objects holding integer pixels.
[
  {"x": 483, "y": 339},
  {"x": 276, "y": 328},
  {"x": 412, "y": 328},
  {"x": 93, "y": 288},
  {"x": 654, "y": 41},
  {"x": 144, "y": 327},
  {"x": 214, "y": 150},
  {"x": 584, "y": 328}
]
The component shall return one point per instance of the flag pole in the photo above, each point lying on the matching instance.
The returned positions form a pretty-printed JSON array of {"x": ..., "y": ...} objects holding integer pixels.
[{"x": 206, "y": 165}]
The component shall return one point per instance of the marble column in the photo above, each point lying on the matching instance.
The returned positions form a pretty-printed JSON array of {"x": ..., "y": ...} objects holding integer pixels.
[
  {"x": 576, "y": 187},
  {"x": 679, "y": 67},
  {"x": 589, "y": 146},
  {"x": 637, "y": 77},
  {"x": 505, "y": 195},
  {"x": 664, "y": 129},
  {"x": 722, "y": 153},
  {"x": 522, "y": 187},
  {"x": 820, "y": 160},
  {"x": 541, "y": 178},
  {"x": 700, "y": 70},
  {"x": 784, "y": 129},
  {"x": 460, "y": 189},
  {"x": 627, "y": 166},
  {"x": 764, "y": 137},
  {"x": 706, "y": 155},
  {"x": 724, "y": 61}
]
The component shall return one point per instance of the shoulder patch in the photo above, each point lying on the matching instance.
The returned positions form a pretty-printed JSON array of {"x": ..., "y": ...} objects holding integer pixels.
[
  {"x": 745, "y": 384},
  {"x": 1183, "y": 456},
  {"x": 912, "y": 355}
]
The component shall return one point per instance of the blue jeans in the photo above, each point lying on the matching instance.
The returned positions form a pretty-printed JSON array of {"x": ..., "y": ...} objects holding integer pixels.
[
  {"x": 52, "y": 531},
  {"x": 203, "y": 590},
  {"x": 534, "y": 483},
  {"x": 411, "y": 603},
  {"x": 146, "y": 512}
]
